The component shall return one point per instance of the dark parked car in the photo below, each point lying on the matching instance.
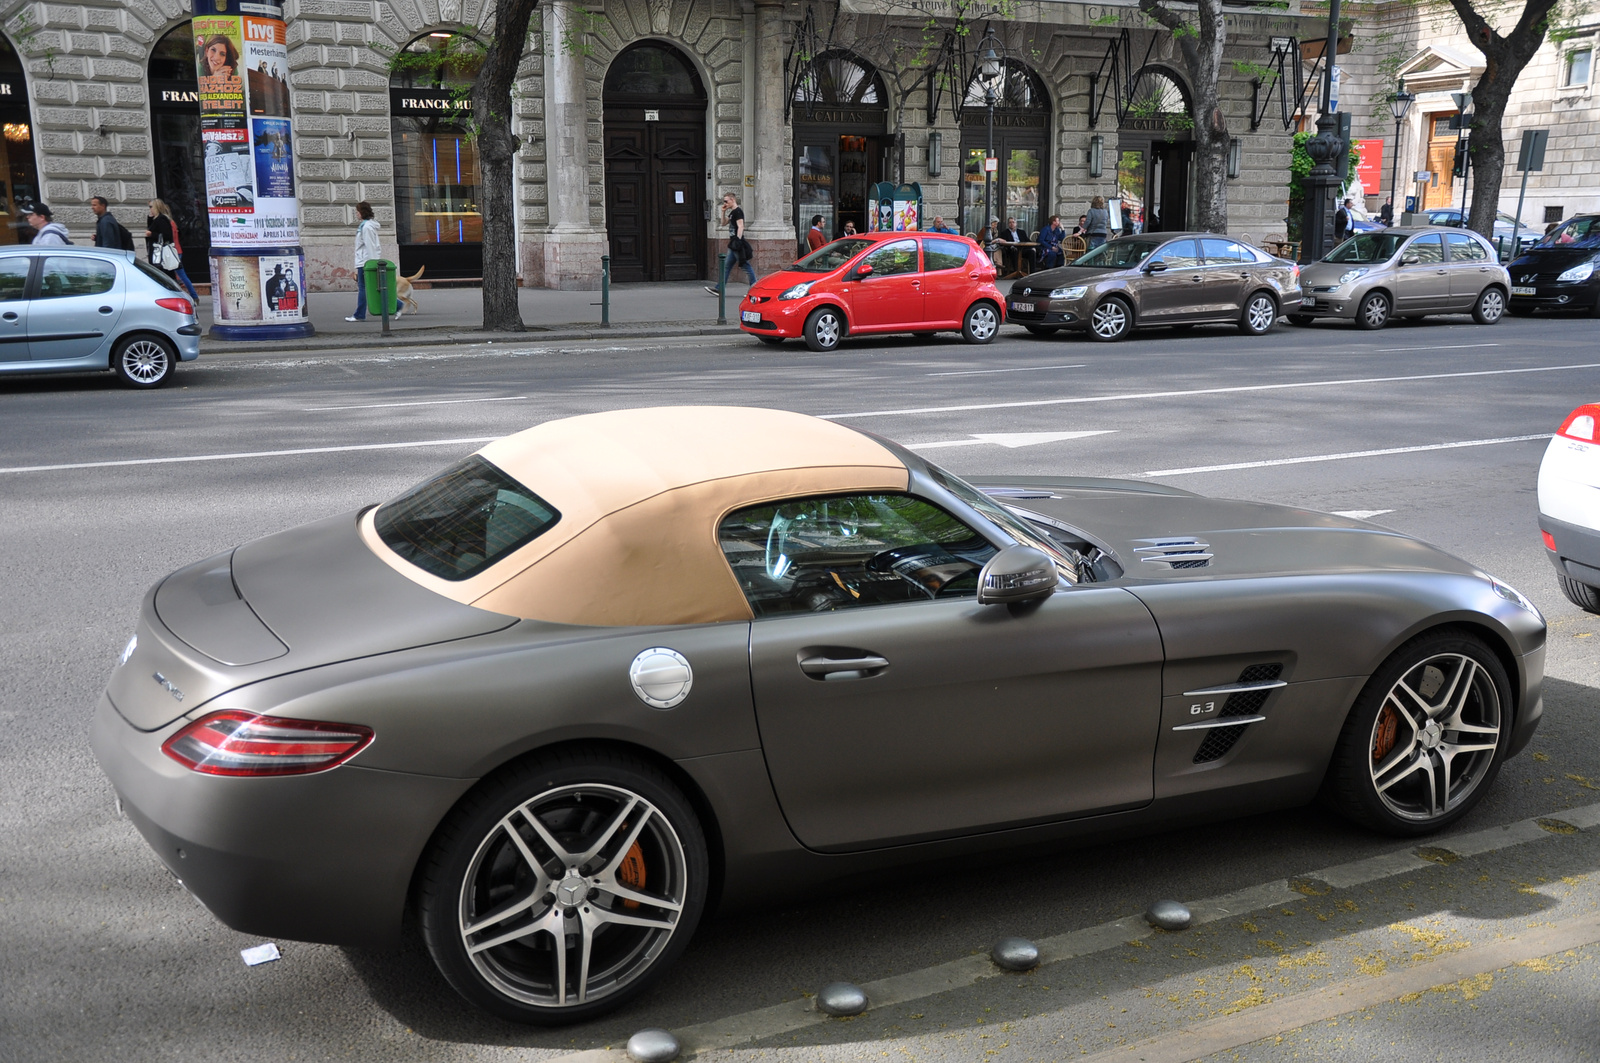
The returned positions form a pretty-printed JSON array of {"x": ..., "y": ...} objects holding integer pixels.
[
  {"x": 1560, "y": 272},
  {"x": 1158, "y": 279},
  {"x": 1506, "y": 230}
]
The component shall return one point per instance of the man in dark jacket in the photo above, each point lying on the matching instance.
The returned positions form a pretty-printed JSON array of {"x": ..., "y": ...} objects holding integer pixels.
[{"x": 108, "y": 231}]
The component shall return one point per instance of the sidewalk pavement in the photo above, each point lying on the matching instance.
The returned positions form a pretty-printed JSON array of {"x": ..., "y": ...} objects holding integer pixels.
[{"x": 455, "y": 315}]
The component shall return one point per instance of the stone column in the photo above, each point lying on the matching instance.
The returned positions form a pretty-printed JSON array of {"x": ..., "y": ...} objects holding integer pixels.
[
  {"x": 572, "y": 245},
  {"x": 769, "y": 228}
]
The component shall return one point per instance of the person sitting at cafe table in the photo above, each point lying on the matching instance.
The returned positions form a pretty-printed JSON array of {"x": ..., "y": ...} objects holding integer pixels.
[
  {"x": 1011, "y": 240},
  {"x": 940, "y": 227},
  {"x": 1050, "y": 238}
]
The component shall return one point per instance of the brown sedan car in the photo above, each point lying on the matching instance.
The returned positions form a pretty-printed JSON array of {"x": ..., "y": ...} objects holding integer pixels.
[{"x": 1158, "y": 279}]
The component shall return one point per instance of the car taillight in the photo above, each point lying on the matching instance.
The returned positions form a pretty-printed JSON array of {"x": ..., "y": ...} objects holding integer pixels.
[
  {"x": 245, "y": 743},
  {"x": 1549, "y": 541},
  {"x": 1580, "y": 424},
  {"x": 182, "y": 306}
]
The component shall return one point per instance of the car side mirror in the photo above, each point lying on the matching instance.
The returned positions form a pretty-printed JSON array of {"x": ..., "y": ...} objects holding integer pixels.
[
  {"x": 864, "y": 270},
  {"x": 1017, "y": 574},
  {"x": 1156, "y": 267},
  {"x": 1410, "y": 260}
]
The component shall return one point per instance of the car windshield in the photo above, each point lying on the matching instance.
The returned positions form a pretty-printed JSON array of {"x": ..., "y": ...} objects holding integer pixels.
[
  {"x": 1119, "y": 254},
  {"x": 1583, "y": 233},
  {"x": 830, "y": 257},
  {"x": 1367, "y": 248},
  {"x": 1009, "y": 522},
  {"x": 463, "y": 520}
]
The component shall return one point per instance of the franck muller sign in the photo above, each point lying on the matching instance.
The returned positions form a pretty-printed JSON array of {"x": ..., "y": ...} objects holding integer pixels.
[{"x": 427, "y": 101}]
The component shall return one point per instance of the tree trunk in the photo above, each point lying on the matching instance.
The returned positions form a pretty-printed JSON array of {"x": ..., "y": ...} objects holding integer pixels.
[
  {"x": 1201, "y": 47},
  {"x": 497, "y": 154},
  {"x": 1504, "y": 59}
]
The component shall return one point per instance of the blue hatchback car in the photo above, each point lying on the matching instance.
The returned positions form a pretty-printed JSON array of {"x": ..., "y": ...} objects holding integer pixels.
[{"x": 78, "y": 309}]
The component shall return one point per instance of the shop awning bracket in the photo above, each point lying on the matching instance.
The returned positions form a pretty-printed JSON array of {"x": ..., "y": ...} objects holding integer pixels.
[
  {"x": 1286, "y": 68},
  {"x": 1116, "y": 67},
  {"x": 804, "y": 51},
  {"x": 948, "y": 71}
]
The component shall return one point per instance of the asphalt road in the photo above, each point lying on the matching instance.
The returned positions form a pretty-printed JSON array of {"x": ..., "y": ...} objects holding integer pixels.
[{"x": 1435, "y": 429}]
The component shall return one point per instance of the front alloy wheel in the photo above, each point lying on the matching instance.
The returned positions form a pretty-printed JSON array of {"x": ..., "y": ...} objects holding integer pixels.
[
  {"x": 143, "y": 361},
  {"x": 981, "y": 323},
  {"x": 1110, "y": 320},
  {"x": 824, "y": 329},
  {"x": 565, "y": 888},
  {"x": 1373, "y": 313},
  {"x": 1490, "y": 307},
  {"x": 1260, "y": 314},
  {"x": 1425, "y": 737}
]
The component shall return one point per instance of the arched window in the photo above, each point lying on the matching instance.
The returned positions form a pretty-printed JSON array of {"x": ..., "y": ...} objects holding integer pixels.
[
  {"x": 436, "y": 212},
  {"x": 1021, "y": 140},
  {"x": 1018, "y": 89},
  {"x": 839, "y": 77},
  {"x": 1157, "y": 94},
  {"x": 654, "y": 70}
]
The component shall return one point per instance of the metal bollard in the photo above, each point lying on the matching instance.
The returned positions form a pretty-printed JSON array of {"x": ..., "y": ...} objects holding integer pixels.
[
  {"x": 605, "y": 291},
  {"x": 722, "y": 284},
  {"x": 383, "y": 294}
]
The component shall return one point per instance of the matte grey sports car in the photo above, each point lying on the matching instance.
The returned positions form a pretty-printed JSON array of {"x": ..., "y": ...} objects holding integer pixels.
[{"x": 562, "y": 696}]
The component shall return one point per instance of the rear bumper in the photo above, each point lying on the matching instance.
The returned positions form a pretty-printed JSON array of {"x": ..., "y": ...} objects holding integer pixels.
[
  {"x": 1577, "y": 552},
  {"x": 326, "y": 857}
]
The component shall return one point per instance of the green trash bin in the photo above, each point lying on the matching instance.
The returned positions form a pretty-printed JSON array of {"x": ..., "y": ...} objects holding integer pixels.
[{"x": 369, "y": 277}]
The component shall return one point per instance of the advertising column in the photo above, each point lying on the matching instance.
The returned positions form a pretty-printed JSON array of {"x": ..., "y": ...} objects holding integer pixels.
[{"x": 258, "y": 282}]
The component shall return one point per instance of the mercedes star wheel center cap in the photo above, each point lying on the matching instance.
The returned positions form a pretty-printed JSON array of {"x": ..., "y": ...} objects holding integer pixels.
[
  {"x": 661, "y": 677},
  {"x": 1432, "y": 735},
  {"x": 572, "y": 889}
]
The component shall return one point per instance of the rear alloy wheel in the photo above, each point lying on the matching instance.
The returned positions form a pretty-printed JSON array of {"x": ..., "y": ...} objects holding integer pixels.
[
  {"x": 1042, "y": 330},
  {"x": 564, "y": 887},
  {"x": 824, "y": 329},
  {"x": 1490, "y": 307},
  {"x": 1373, "y": 313},
  {"x": 981, "y": 323},
  {"x": 1425, "y": 738},
  {"x": 771, "y": 341},
  {"x": 144, "y": 361},
  {"x": 1581, "y": 595},
  {"x": 1260, "y": 314},
  {"x": 1111, "y": 320}
]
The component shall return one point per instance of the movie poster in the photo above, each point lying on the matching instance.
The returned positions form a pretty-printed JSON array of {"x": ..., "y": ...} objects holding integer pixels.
[
  {"x": 274, "y": 160},
  {"x": 235, "y": 288},
  {"x": 282, "y": 288}
]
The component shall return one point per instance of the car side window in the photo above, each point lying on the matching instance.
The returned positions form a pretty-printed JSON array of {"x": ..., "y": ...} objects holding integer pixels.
[
  {"x": 1180, "y": 254},
  {"x": 1464, "y": 248},
  {"x": 816, "y": 555},
  {"x": 65, "y": 275},
  {"x": 898, "y": 257},
  {"x": 943, "y": 254},
  {"x": 1428, "y": 249},
  {"x": 1218, "y": 252},
  {"x": 14, "y": 276}
]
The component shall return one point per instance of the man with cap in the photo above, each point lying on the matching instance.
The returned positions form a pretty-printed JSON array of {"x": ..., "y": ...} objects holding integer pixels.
[{"x": 46, "y": 233}]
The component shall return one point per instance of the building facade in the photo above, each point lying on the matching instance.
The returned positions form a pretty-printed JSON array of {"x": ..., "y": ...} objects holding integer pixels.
[{"x": 635, "y": 116}]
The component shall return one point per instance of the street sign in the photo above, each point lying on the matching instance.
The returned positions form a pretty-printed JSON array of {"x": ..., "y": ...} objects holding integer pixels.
[
  {"x": 1531, "y": 157},
  {"x": 1463, "y": 100},
  {"x": 1422, "y": 175},
  {"x": 991, "y": 165}
]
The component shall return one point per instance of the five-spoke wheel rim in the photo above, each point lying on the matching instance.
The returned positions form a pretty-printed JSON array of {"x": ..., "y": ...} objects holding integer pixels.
[
  {"x": 1492, "y": 305},
  {"x": 982, "y": 323},
  {"x": 1375, "y": 311},
  {"x": 1109, "y": 319},
  {"x": 145, "y": 361},
  {"x": 827, "y": 330},
  {"x": 572, "y": 895},
  {"x": 1261, "y": 313},
  {"x": 1433, "y": 741}
]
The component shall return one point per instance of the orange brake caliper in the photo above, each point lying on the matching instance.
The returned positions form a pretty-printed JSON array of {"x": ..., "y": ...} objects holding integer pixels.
[
  {"x": 631, "y": 873},
  {"x": 1388, "y": 728}
]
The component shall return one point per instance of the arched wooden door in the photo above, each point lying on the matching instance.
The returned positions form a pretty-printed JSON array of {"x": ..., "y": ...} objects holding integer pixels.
[{"x": 655, "y": 152}]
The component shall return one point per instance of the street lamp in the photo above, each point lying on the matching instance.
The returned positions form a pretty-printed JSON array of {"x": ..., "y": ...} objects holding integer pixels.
[
  {"x": 990, "y": 68},
  {"x": 1322, "y": 183},
  {"x": 1398, "y": 106}
]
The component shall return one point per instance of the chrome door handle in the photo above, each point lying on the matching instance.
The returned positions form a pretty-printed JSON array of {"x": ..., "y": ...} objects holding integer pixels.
[
  {"x": 1197, "y": 278},
  {"x": 863, "y": 667}
]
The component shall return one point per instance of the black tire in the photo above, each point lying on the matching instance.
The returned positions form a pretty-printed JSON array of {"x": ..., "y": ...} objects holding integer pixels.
[
  {"x": 771, "y": 341},
  {"x": 1490, "y": 307},
  {"x": 1260, "y": 313},
  {"x": 1111, "y": 320},
  {"x": 144, "y": 360},
  {"x": 1389, "y": 735},
  {"x": 1581, "y": 595},
  {"x": 824, "y": 329},
  {"x": 1043, "y": 330},
  {"x": 1300, "y": 320},
  {"x": 580, "y": 799},
  {"x": 1374, "y": 311},
  {"x": 1525, "y": 311},
  {"x": 981, "y": 323}
]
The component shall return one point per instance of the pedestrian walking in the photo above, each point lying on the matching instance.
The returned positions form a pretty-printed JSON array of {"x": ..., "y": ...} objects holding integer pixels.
[
  {"x": 162, "y": 248},
  {"x": 1097, "y": 222},
  {"x": 46, "y": 233},
  {"x": 367, "y": 249},
  {"x": 739, "y": 249},
  {"x": 815, "y": 238},
  {"x": 108, "y": 231}
]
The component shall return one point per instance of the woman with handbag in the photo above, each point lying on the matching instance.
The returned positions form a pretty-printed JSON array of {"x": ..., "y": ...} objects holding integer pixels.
[{"x": 162, "y": 248}]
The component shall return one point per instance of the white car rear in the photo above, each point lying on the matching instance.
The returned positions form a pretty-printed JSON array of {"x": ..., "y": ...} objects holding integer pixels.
[{"x": 1569, "y": 505}]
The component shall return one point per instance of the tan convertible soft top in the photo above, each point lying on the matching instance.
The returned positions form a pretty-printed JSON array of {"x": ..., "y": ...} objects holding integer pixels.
[{"x": 641, "y": 493}]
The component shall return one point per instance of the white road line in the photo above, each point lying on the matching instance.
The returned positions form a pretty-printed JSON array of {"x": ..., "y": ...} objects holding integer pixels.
[
  {"x": 1011, "y": 440},
  {"x": 392, "y": 405},
  {"x": 1341, "y": 457},
  {"x": 1028, "y": 369},
  {"x": 1445, "y": 347},
  {"x": 1125, "y": 396},
  {"x": 763, "y": 1023},
  {"x": 249, "y": 454},
  {"x": 1361, "y": 514}
]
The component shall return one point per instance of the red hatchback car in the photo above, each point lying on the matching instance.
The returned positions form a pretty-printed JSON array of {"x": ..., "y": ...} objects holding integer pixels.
[{"x": 878, "y": 282}]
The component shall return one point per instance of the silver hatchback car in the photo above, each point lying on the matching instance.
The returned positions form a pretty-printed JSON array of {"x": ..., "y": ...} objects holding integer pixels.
[
  {"x": 1405, "y": 272},
  {"x": 78, "y": 309}
]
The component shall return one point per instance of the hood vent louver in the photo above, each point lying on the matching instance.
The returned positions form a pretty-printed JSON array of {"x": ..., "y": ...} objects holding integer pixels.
[{"x": 1175, "y": 551}]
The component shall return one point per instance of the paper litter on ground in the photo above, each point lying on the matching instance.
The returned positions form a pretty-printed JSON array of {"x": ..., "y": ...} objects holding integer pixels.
[{"x": 260, "y": 954}]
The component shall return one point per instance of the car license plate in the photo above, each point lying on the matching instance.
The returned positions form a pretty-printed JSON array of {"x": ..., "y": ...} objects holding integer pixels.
[
  {"x": 1309, "y": 300},
  {"x": 1026, "y": 308},
  {"x": 751, "y": 317},
  {"x": 1524, "y": 291}
]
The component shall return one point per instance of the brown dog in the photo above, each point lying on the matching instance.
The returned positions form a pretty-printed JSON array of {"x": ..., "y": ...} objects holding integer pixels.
[{"x": 404, "y": 290}]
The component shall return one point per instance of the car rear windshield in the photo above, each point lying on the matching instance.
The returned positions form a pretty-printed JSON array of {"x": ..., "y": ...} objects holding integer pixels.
[
  {"x": 1119, "y": 254},
  {"x": 830, "y": 257},
  {"x": 463, "y": 520},
  {"x": 1367, "y": 248},
  {"x": 1582, "y": 233},
  {"x": 157, "y": 275}
]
